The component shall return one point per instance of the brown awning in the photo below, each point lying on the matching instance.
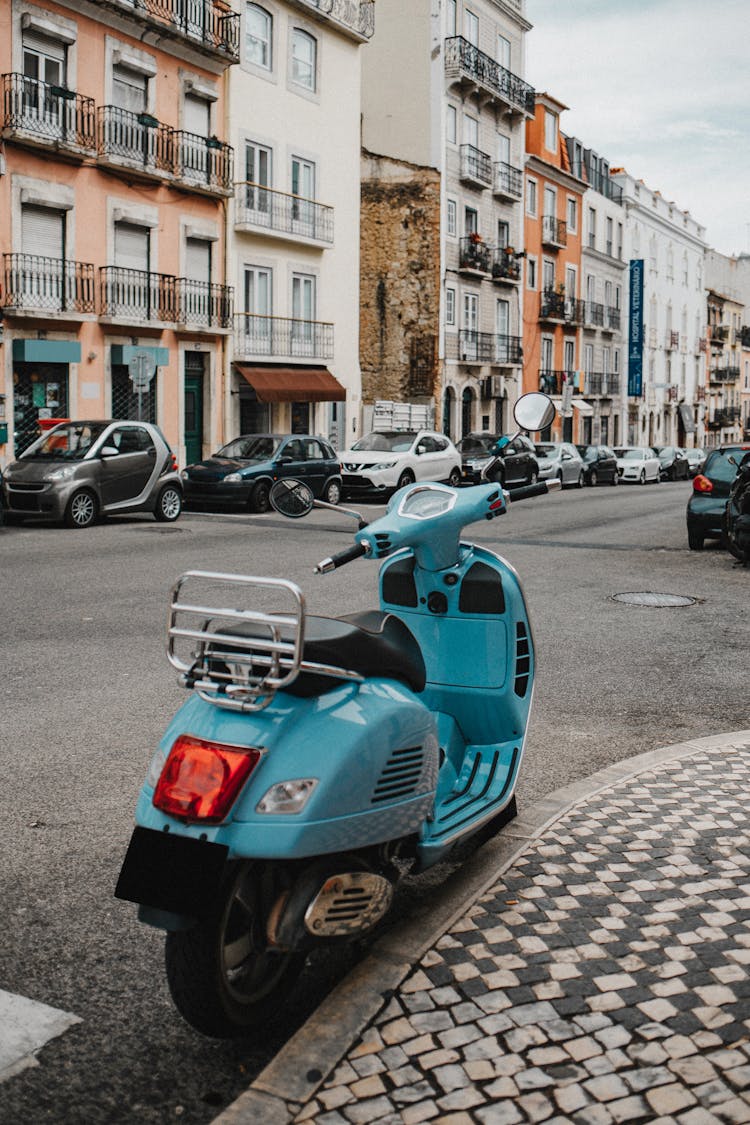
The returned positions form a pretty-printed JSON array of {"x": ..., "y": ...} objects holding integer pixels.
[{"x": 292, "y": 384}]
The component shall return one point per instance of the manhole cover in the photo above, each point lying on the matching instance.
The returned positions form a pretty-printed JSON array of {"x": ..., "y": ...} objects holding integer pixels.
[{"x": 655, "y": 601}]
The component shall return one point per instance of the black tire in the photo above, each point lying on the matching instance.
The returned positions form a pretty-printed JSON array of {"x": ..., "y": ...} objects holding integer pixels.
[
  {"x": 168, "y": 504},
  {"x": 12, "y": 520},
  {"x": 82, "y": 509},
  {"x": 560, "y": 478},
  {"x": 454, "y": 480},
  {"x": 695, "y": 540},
  {"x": 593, "y": 478},
  {"x": 260, "y": 497},
  {"x": 534, "y": 477},
  {"x": 642, "y": 477},
  {"x": 223, "y": 977},
  {"x": 615, "y": 477},
  {"x": 407, "y": 477},
  {"x": 332, "y": 492}
]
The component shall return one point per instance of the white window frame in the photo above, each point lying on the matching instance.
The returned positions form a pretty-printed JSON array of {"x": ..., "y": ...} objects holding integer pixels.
[
  {"x": 450, "y": 306},
  {"x": 572, "y": 214},
  {"x": 266, "y": 44},
  {"x": 532, "y": 197},
  {"x": 451, "y": 218},
  {"x": 551, "y": 133},
  {"x": 451, "y": 125},
  {"x": 531, "y": 272},
  {"x": 300, "y": 36}
]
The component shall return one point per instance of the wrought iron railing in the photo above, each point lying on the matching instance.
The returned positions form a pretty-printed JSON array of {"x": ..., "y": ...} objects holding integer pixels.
[
  {"x": 552, "y": 382},
  {"x": 726, "y": 373},
  {"x": 594, "y": 313},
  {"x": 204, "y": 304},
  {"x": 508, "y": 181},
  {"x": 726, "y": 416},
  {"x": 264, "y": 207},
  {"x": 282, "y": 336},
  {"x": 484, "y": 347},
  {"x": 473, "y": 254},
  {"x": 604, "y": 383},
  {"x": 612, "y": 318},
  {"x": 552, "y": 305},
  {"x": 209, "y": 22},
  {"x": 48, "y": 113},
  {"x": 476, "y": 166},
  {"x": 463, "y": 59},
  {"x": 359, "y": 15},
  {"x": 44, "y": 284},
  {"x": 671, "y": 339},
  {"x": 137, "y": 294},
  {"x": 506, "y": 265},
  {"x": 554, "y": 231},
  {"x": 135, "y": 139},
  {"x": 719, "y": 334},
  {"x": 203, "y": 161}
]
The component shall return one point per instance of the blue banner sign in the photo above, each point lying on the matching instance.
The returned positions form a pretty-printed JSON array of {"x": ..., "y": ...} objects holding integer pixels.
[{"x": 635, "y": 331}]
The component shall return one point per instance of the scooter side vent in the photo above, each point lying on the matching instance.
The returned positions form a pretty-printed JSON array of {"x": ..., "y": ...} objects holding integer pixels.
[
  {"x": 401, "y": 774},
  {"x": 523, "y": 659}
]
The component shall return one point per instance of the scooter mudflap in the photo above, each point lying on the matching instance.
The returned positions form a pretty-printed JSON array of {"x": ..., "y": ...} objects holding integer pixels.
[{"x": 172, "y": 873}]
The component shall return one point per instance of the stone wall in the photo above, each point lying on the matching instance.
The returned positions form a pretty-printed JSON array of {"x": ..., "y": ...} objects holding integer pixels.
[{"x": 399, "y": 281}]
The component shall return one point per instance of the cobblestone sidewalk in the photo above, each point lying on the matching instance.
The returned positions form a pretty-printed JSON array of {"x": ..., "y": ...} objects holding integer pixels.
[{"x": 603, "y": 978}]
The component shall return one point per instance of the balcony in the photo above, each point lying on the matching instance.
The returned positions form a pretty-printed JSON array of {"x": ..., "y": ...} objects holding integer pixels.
[
  {"x": 552, "y": 382},
  {"x": 476, "y": 167},
  {"x": 33, "y": 284},
  {"x": 507, "y": 182},
  {"x": 745, "y": 336},
  {"x": 49, "y": 117},
  {"x": 474, "y": 256},
  {"x": 604, "y": 383},
  {"x": 593, "y": 314},
  {"x": 719, "y": 335},
  {"x": 209, "y": 25},
  {"x": 353, "y": 15},
  {"x": 484, "y": 347},
  {"x": 554, "y": 232},
  {"x": 671, "y": 340},
  {"x": 506, "y": 267},
  {"x": 726, "y": 416},
  {"x": 205, "y": 164},
  {"x": 135, "y": 142},
  {"x": 278, "y": 336},
  {"x": 137, "y": 296},
  {"x": 203, "y": 305},
  {"x": 612, "y": 317},
  {"x": 466, "y": 65},
  {"x": 289, "y": 217},
  {"x": 552, "y": 305},
  {"x": 725, "y": 373}
]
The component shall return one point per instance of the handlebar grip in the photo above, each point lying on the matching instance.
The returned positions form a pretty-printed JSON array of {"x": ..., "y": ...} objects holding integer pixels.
[
  {"x": 349, "y": 555},
  {"x": 531, "y": 490}
]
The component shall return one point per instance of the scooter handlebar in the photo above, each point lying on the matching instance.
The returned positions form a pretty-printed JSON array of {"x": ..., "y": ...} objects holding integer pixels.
[
  {"x": 540, "y": 489},
  {"x": 340, "y": 559}
]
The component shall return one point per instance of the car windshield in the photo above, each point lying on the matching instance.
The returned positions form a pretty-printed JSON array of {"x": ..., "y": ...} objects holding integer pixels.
[
  {"x": 69, "y": 442},
  {"x": 633, "y": 454},
  {"x": 384, "y": 443},
  {"x": 545, "y": 450},
  {"x": 667, "y": 451},
  {"x": 719, "y": 467},
  {"x": 253, "y": 448},
  {"x": 477, "y": 443},
  {"x": 588, "y": 452}
]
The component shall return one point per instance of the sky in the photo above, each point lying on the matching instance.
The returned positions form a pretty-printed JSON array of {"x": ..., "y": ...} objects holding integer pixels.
[{"x": 661, "y": 88}]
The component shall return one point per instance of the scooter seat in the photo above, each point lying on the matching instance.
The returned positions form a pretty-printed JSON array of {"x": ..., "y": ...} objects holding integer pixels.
[{"x": 370, "y": 643}]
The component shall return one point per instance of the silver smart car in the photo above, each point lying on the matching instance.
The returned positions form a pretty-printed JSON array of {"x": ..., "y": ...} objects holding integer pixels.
[{"x": 80, "y": 470}]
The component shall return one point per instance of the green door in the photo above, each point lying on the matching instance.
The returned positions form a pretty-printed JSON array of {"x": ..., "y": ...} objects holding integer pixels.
[{"x": 193, "y": 418}]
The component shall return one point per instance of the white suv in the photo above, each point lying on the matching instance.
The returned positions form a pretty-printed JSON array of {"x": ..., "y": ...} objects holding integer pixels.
[{"x": 383, "y": 462}]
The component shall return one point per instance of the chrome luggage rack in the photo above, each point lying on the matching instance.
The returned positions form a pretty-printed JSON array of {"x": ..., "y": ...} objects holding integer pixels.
[{"x": 243, "y": 670}]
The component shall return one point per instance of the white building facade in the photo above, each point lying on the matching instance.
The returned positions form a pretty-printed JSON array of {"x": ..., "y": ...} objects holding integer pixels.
[
  {"x": 670, "y": 348},
  {"x": 293, "y": 241}
]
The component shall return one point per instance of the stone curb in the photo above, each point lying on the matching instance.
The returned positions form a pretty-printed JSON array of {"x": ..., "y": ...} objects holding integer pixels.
[{"x": 291, "y": 1078}]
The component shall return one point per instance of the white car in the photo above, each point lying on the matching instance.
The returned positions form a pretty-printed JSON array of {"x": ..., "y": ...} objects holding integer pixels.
[
  {"x": 637, "y": 464},
  {"x": 383, "y": 462}
]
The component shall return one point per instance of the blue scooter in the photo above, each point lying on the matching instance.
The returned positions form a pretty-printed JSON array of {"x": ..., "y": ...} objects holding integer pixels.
[{"x": 317, "y": 759}]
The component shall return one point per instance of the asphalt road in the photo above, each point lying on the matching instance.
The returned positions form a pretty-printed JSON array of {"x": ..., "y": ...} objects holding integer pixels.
[{"x": 86, "y": 692}]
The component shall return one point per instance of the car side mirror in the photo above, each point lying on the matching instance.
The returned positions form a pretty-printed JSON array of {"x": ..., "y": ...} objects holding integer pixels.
[
  {"x": 420, "y": 450},
  {"x": 109, "y": 451},
  {"x": 284, "y": 460}
]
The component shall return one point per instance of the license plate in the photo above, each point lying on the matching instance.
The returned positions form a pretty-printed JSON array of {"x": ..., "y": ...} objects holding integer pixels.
[{"x": 170, "y": 872}]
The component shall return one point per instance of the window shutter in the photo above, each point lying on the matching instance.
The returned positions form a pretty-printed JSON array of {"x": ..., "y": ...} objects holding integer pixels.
[
  {"x": 198, "y": 259},
  {"x": 197, "y": 116},
  {"x": 131, "y": 246},
  {"x": 42, "y": 231},
  {"x": 43, "y": 45}
]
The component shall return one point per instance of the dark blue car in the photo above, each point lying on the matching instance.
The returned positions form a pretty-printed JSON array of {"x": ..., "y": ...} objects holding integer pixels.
[{"x": 242, "y": 472}]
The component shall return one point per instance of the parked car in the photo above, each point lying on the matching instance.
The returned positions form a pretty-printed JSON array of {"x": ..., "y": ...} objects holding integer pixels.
[
  {"x": 78, "y": 471},
  {"x": 518, "y": 466},
  {"x": 599, "y": 464},
  {"x": 696, "y": 459},
  {"x": 383, "y": 462},
  {"x": 241, "y": 473},
  {"x": 637, "y": 463},
  {"x": 560, "y": 460},
  {"x": 705, "y": 508},
  {"x": 673, "y": 464}
]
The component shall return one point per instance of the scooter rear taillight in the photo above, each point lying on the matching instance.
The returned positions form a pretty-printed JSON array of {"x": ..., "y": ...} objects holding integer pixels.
[
  {"x": 201, "y": 780},
  {"x": 702, "y": 484}
]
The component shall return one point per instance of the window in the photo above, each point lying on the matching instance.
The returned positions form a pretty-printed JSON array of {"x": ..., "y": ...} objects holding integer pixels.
[
  {"x": 471, "y": 28},
  {"x": 303, "y": 314},
  {"x": 471, "y": 131},
  {"x": 503, "y": 51},
  {"x": 451, "y": 21},
  {"x": 132, "y": 246},
  {"x": 608, "y": 294},
  {"x": 43, "y": 232},
  {"x": 550, "y": 131},
  {"x": 258, "y": 177},
  {"x": 451, "y": 125},
  {"x": 304, "y": 59},
  {"x": 548, "y": 274},
  {"x": 44, "y": 58},
  {"x": 303, "y": 180},
  {"x": 550, "y": 202},
  {"x": 258, "y": 300},
  {"x": 259, "y": 37},
  {"x": 569, "y": 355},
  {"x": 531, "y": 197},
  {"x": 503, "y": 148},
  {"x": 129, "y": 89},
  {"x": 450, "y": 306},
  {"x": 451, "y": 217},
  {"x": 685, "y": 271},
  {"x": 198, "y": 259},
  {"x": 609, "y": 245},
  {"x": 503, "y": 233},
  {"x": 471, "y": 221},
  {"x": 471, "y": 312},
  {"x": 531, "y": 273},
  {"x": 572, "y": 214},
  {"x": 588, "y": 358},
  {"x": 592, "y": 228},
  {"x": 571, "y": 283},
  {"x": 619, "y": 241},
  {"x": 196, "y": 115}
]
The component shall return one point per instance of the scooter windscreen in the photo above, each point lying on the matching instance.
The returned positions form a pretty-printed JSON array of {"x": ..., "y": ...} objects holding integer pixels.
[{"x": 426, "y": 501}]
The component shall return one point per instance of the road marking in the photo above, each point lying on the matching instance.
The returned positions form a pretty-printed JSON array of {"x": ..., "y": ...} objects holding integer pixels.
[{"x": 25, "y": 1027}]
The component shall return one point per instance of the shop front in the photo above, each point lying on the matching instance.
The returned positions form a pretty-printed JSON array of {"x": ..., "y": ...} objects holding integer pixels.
[
  {"x": 284, "y": 398},
  {"x": 41, "y": 386}
]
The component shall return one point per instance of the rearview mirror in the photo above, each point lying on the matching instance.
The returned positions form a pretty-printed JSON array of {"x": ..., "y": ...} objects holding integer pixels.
[
  {"x": 534, "y": 411},
  {"x": 291, "y": 498}
]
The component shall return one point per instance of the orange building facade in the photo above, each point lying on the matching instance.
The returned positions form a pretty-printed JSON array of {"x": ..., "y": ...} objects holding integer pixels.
[
  {"x": 552, "y": 305},
  {"x": 113, "y": 183}
]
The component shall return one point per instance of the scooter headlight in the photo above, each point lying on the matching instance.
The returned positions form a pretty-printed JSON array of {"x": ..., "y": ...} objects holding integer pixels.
[{"x": 287, "y": 797}]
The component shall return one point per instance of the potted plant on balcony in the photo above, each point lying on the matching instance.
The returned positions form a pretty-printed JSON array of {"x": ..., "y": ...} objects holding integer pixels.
[{"x": 475, "y": 237}]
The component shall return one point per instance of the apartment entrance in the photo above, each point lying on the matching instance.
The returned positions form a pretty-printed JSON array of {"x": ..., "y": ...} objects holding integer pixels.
[{"x": 193, "y": 406}]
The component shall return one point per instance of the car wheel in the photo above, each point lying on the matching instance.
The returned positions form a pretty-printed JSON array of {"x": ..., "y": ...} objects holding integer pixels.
[
  {"x": 454, "y": 480},
  {"x": 81, "y": 510},
  {"x": 332, "y": 492},
  {"x": 559, "y": 476},
  {"x": 259, "y": 498},
  {"x": 695, "y": 540},
  {"x": 168, "y": 504},
  {"x": 407, "y": 477},
  {"x": 615, "y": 477},
  {"x": 642, "y": 477},
  {"x": 593, "y": 478},
  {"x": 581, "y": 480},
  {"x": 534, "y": 477}
]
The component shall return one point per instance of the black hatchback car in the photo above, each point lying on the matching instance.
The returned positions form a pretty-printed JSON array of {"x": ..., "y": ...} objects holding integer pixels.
[
  {"x": 673, "y": 464},
  {"x": 706, "y": 505},
  {"x": 599, "y": 464},
  {"x": 242, "y": 472},
  {"x": 519, "y": 465}
]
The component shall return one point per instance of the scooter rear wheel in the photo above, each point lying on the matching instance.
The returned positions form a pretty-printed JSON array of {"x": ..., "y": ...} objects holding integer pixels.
[{"x": 224, "y": 978}]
